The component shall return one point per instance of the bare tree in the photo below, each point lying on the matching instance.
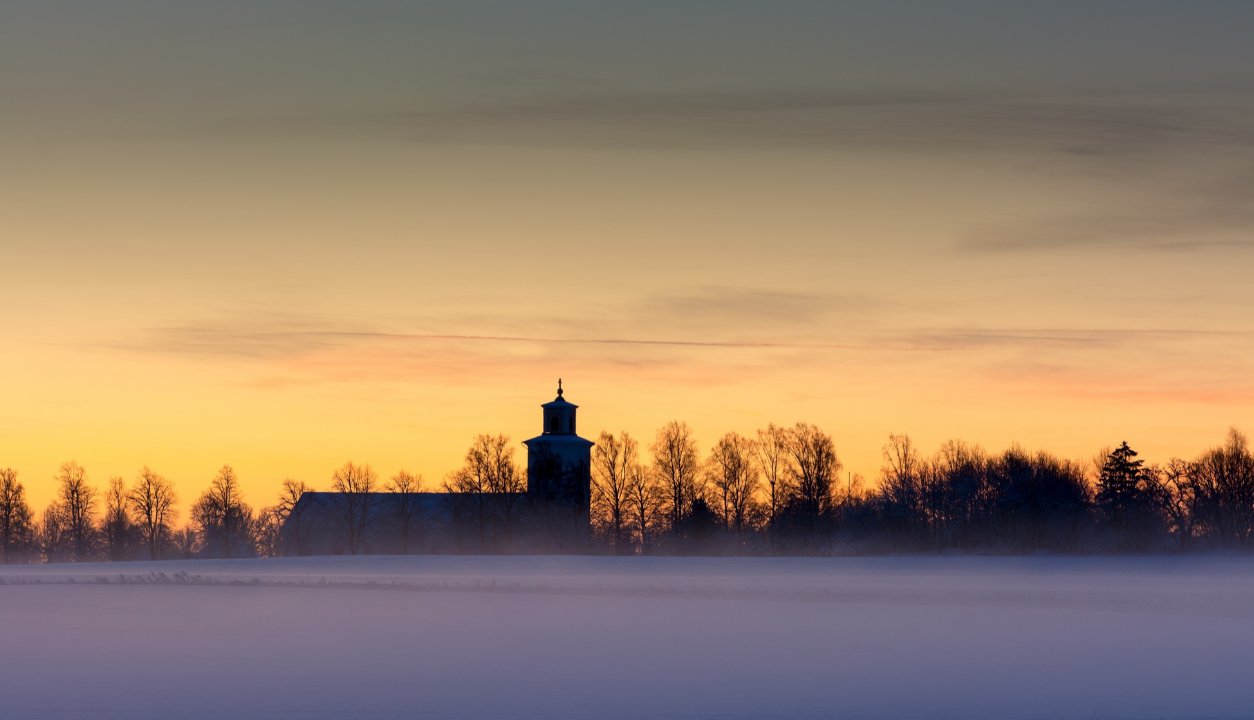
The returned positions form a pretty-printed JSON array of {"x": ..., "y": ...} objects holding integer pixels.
[
  {"x": 290, "y": 514},
  {"x": 676, "y": 463},
  {"x": 813, "y": 469},
  {"x": 490, "y": 481},
  {"x": 735, "y": 479},
  {"x": 1179, "y": 499},
  {"x": 55, "y": 543},
  {"x": 853, "y": 493},
  {"x": 901, "y": 492},
  {"x": 771, "y": 451},
  {"x": 1224, "y": 480},
  {"x": 1037, "y": 501},
  {"x": 187, "y": 542},
  {"x": 612, "y": 461},
  {"x": 225, "y": 523},
  {"x": 489, "y": 468},
  {"x": 965, "y": 493},
  {"x": 268, "y": 532},
  {"x": 78, "y": 505},
  {"x": 152, "y": 500},
  {"x": 117, "y": 528},
  {"x": 645, "y": 497},
  {"x": 354, "y": 483},
  {"x": 405, "y": 488},
  {"x": 17, "y": 533}
]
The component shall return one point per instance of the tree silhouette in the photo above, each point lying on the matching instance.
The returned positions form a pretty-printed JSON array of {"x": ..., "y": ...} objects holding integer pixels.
[
  {"x": 405, "y": 488},
  {"x": 17, "y": 532},
  {"x": 152, "y": 500},
  {"x": 225, "y": 523},
  {"x": 701, "y": 529},
  {"x": 55, "y": 543},
  {"x": 187, "y": 542},
  {"x": 78, "y": 506},
  {"x": 963, "y": 493},
  {"x": 1224, "y": 481},
  {"x": 902, "y": 496},
  {"x": 1179, "y": 500},
  {"x": 1126, "y": 497},
  {"x": 1120, "y": 483},
  {"x": 734, "y": 477},
  {"x": 354, "y": 483},
  {"x": 268, "y": 532},
  {"x": 771, "y": 451},
  {"x": 676, "y": 464},
  {"x": 645, "y": 499},
  {"x": 813, "y": 470},
  {"x": 613, "y": 459},
  {"x": 490, "y": 483},
  {"x": 117, "y": 528},
  {"x": 1038, "y": 502},
  {"x": 290, "y": 513}
]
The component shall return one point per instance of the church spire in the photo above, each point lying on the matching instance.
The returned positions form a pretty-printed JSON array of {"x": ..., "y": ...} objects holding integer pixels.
[{"x": 559, "y": 387}]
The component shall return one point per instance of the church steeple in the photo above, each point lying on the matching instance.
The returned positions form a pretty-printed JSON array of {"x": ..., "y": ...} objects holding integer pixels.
[{"x": 559, "y": 462}]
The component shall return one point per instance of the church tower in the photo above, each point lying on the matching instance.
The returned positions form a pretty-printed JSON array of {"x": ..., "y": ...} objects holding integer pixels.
[{"x": 559, "y": 462}]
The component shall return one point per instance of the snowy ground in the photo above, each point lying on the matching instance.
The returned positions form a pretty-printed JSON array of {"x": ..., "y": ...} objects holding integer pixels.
[{"x": 506, "y": 637}]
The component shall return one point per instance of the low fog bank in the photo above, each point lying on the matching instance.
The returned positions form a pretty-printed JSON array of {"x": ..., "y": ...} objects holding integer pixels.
[{"x": 486, "y": 637}]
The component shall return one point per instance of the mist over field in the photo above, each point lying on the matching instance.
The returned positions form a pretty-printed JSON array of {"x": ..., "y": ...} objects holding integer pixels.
[{"x": 567, "y": 637}]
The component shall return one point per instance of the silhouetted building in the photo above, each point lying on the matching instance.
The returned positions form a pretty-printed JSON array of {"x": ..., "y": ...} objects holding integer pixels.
[
  {"x": 552, "y": 515},
  {"x": 559, "y": 462}
]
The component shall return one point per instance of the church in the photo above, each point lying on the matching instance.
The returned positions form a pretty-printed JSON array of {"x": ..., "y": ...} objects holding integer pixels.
[{"x": 551, "y": 516}]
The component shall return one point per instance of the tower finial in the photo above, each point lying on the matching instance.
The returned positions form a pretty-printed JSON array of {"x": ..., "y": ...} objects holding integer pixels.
[{"x": 559, "y": 387}]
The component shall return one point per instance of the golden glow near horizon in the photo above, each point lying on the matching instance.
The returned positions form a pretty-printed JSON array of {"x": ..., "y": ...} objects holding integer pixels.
[{"x": 284, "y": 237}]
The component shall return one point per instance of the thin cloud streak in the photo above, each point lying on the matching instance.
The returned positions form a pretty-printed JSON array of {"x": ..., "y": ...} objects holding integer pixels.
[
  {"x": 1204, "y": 216},
  {"x": 277, "y": 343},
  {"x": 1088, "y": 128},
  {"x": 1142, "y": 142},
  {"x": 247, "y": 340}
]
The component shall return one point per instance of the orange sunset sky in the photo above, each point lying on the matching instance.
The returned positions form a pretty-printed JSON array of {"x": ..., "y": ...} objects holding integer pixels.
[{"x": 284, "y": 235}]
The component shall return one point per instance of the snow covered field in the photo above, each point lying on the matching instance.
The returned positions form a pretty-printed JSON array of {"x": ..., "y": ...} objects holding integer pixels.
[{"x": 531, "y": 637}]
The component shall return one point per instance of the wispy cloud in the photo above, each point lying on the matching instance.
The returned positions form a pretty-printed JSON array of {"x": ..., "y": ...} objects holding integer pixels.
[
  {"x": 263, "y": 338},
  {"x": 256, "y": 336},
  {"x": 1184, "y": 157},
  {"x": 1216, "y": 214},
  {"x": 274, "y": 351},
  {"x": 711, "y": 317},
  {"x": 1083, "y": 127},
  {"x": 1073, "y": 338}
]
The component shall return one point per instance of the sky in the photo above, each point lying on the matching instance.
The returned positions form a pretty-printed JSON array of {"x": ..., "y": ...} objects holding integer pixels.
[{"x": 286, "y": 234}]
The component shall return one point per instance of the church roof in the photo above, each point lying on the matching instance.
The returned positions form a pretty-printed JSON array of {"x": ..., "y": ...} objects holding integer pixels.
[
  {"x": 559, "y": 402},
  {"x": 560, "y": 439}
]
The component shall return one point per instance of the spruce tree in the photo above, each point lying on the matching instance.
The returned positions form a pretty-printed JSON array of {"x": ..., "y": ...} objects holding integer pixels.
[{"x": 1120, "y": 490}]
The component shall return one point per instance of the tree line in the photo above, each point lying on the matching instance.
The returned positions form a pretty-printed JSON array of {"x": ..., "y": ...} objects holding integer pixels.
[
  {"x": 783, "y": 490},
  {"x": 779, "y": 491},
  {"x": 138, "y": 521}
]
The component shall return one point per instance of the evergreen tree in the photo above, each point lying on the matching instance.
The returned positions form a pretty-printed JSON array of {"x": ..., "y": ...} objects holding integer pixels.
[
  {"x": 1120, "y": 486},
  {"x": 1127, "y": 496}
]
